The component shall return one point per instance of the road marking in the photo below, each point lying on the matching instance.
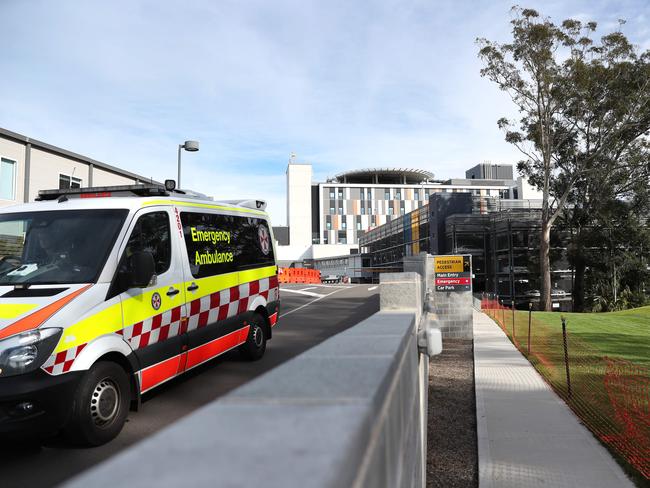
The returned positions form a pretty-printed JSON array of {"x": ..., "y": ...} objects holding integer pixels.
[
  {"x": 307, "y": 304},
  {"x": 372, "y": 288},
  {"x": 310, "y": 288},
  {"x": 303, "y": 292},
  {"x": 336, "y": 286}
]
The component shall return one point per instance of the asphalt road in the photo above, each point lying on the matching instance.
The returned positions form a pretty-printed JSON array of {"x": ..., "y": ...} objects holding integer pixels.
[{"x": 310, "y": 314}]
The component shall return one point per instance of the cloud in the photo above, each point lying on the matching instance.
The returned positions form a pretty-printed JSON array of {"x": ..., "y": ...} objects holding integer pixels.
[{"x": 342, "y": 84}]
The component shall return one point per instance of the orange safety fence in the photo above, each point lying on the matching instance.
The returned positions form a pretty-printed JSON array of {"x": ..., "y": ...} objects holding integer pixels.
[
  {"x": 610, "y": 395},
  {"x": 299, "y": 275}
]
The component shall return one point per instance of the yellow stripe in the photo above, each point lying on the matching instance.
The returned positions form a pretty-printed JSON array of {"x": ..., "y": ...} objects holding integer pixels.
[
  {"x": 213, "y": 284},
  {"x": 13, "y": 310},
  {"x": 203, "y": 205},
  {"x": 257, "y": 274},
  {"x": 103, "y": 322},
  {"x": 138, "y": 308}
]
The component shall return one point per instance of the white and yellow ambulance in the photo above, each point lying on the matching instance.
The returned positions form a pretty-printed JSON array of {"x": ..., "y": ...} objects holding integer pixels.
[{"x": 106, "y": 293}]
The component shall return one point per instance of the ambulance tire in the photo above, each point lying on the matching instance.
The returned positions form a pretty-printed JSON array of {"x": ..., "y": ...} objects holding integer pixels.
[
  {"x": 255, "y": 345},
  {"x": 101, "y": 405}
]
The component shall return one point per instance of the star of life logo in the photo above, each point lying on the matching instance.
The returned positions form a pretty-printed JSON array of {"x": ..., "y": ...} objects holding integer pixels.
[{"x": 265, "y": 239}]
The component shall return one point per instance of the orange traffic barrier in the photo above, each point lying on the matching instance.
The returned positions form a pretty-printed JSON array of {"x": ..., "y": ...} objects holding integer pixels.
[{"x": 299, "y": 275}]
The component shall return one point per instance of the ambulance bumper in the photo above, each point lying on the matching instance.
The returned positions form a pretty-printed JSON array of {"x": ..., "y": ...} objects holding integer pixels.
[{"x": 36, "y": 404}]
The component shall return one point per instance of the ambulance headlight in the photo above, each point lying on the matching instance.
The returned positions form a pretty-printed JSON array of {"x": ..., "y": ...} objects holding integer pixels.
[{"x": 26, "y": 352}]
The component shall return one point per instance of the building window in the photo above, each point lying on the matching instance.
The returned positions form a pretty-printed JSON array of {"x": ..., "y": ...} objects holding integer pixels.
[
  {"x": 398, "y": 195},
  {"x": 66, "y": 182},
  {"x": 358, "y": 225},
  {"x": 387, "y": 195},
  {"x": 332, "y": 212},
  {"x": 340, "y": 210},
  {"x": 402, "y": 211},
  {"x": 363, "y": 210},
  {"x": 328, "y": 225},
  {"x": 332, "y": 193},
  {"x": 390, "y": 210},
  {"x": 343, "y": 240},
  {"x": 340, "y": 194},
  {"x": 427, "y": 194},
  {"x": 7, "y": 179},
  {"x": 372, "y": 220},
  {"x": 344, "y": 225},
  {"x": 416, "y": 194}
]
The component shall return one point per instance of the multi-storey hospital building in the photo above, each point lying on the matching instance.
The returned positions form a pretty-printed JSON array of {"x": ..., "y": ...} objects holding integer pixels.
[{"x": 327, "y": 218}]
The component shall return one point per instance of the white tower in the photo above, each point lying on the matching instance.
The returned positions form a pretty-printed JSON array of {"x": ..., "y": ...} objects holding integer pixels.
[{"x": 299, "y": 176}]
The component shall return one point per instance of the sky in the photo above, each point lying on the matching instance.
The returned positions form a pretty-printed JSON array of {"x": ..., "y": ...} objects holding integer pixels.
[{"x": 342, "y": 84}]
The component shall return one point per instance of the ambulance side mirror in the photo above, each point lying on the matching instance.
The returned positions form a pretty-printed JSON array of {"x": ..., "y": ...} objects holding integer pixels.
[{"x": 143, "y": 269}]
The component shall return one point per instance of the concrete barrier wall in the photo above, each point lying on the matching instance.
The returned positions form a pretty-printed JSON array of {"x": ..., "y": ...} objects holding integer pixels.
[{"x": 349, "y": 412}]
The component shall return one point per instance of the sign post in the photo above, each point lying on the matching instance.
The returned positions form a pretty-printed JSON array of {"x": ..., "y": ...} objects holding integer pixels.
[{"x": 453, "y": 273}]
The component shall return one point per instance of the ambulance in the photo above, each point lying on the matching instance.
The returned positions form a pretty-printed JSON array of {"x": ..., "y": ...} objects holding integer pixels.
[{"x": 108, "y": 292}]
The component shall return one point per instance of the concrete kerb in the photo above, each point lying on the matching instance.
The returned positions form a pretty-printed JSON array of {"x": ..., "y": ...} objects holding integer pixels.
[{"x": 348, "y": 412}]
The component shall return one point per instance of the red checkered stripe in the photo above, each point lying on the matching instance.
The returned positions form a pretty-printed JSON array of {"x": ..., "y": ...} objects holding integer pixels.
[
  {"x": 155, "y": 329},
  {"x": 227, "y": 303},
  {"x": 208, "y": 309},
  {"x": 61, "y": 362}
]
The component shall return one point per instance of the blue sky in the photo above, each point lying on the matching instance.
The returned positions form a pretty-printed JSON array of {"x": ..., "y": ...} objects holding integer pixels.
[{"x": 342, "y": 84}]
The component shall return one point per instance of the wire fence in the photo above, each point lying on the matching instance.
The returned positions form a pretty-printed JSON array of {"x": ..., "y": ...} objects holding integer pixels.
[{"x": 610, "y": 395}]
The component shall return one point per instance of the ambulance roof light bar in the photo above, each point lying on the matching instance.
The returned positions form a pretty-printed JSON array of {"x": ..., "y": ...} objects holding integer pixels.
[{"x": 103, "y": 191}]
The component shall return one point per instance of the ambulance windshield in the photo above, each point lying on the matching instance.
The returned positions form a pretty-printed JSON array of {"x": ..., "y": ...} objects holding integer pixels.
[{"x": 56, "y": 247}]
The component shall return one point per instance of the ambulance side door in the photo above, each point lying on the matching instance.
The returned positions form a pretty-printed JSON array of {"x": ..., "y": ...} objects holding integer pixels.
[{"x": 153, "y": 315}]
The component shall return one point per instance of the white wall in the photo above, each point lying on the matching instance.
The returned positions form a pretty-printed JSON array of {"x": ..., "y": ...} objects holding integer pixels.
[
  {"x": 104, "y": 178},
  {"x": 299, "y": 204},
  {"x": 527, "y": 191},
  {"x": 46, "y": 167},
  {"x": 15, "y": 152},
  {"x": 316, "y": 251},
  {"x": 330, "y": 250}
]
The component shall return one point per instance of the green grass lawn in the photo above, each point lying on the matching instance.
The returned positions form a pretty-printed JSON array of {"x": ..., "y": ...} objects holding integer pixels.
[{"x": 624, "y": 335}]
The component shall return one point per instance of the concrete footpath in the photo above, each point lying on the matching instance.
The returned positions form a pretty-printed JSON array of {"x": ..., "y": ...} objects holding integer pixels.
[{"x": 527, "y": 436}]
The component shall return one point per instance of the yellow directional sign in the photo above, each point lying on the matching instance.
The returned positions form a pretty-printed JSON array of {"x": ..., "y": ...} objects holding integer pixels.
[{"x": 449, "y": 264}]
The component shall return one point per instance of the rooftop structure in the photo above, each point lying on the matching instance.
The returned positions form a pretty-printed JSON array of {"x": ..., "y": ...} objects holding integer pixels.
[{"x": 378, "y": 176}]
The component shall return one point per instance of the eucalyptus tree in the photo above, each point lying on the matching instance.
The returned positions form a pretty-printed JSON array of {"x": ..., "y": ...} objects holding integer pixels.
[{"x": 585, "y": 111}]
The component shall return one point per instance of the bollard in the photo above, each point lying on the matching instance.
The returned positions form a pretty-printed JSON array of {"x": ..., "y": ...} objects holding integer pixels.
[
  {"x": 530, "y": 312},
  {"x": 513, "y": 321},
  {"x": 566, "y": 356}
]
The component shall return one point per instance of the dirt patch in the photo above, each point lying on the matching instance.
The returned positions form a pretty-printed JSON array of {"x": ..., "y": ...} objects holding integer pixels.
[{"x": 452, "y": 457}]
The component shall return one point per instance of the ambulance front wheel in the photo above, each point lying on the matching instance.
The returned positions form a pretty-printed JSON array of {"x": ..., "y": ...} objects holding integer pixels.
[
  {"x": 101, "y": 405},
  {"x": 255, "y": 345}
]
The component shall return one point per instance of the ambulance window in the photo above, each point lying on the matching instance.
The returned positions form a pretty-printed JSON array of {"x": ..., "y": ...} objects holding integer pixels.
[
  {"x": 209, "y": 241},
  {"x": 252, "y": 243},
  {"x": 151, "y": 234}
]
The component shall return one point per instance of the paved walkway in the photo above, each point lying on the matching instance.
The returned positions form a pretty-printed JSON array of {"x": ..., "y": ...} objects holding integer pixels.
[{"x": 528, "y": 437}]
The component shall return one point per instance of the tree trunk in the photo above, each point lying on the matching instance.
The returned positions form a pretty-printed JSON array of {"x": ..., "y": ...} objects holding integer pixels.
[{"x": 545, "y": 267}]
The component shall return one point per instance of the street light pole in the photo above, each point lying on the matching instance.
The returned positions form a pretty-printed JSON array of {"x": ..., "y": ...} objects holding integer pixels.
[{"x": 191, "y": 146}]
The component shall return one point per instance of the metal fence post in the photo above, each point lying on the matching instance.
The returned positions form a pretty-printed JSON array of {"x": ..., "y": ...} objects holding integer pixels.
[
  {"x": 513, "y": 321},
  {"x": 566, "y": 356},
  {"x": 530, "y": 313}
]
